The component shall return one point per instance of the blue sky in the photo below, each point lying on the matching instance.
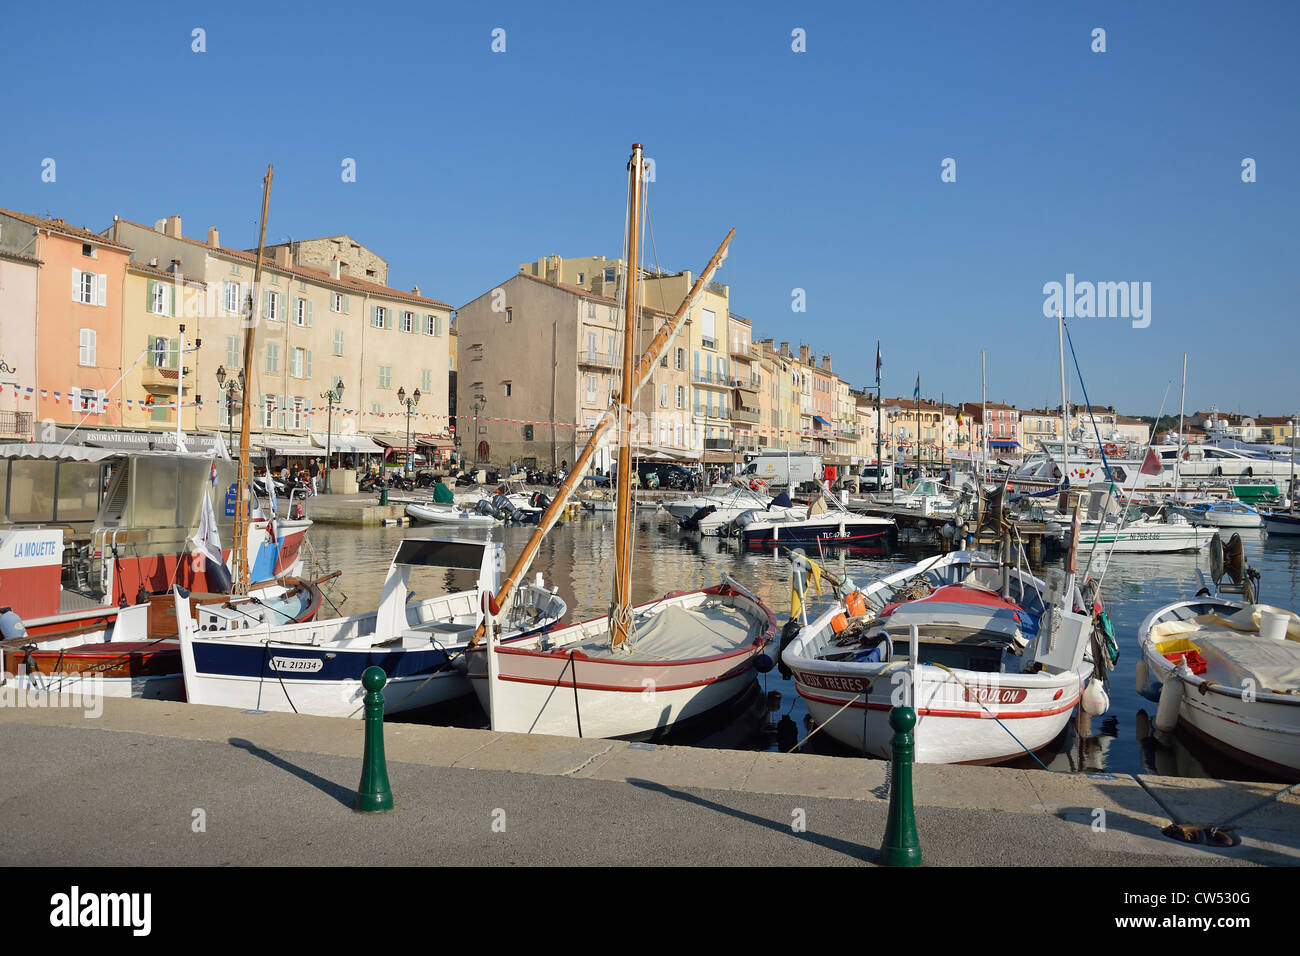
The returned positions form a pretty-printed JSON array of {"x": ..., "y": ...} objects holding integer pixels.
[{"x": 1115, "y": 166}]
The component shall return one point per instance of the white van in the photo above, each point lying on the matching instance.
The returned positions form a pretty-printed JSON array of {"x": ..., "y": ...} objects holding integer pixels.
[{"x": 785, "y": 469}]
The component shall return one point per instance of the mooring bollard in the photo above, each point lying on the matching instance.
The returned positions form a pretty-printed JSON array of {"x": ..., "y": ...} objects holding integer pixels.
[
  {"x": 383, "y": 496},
  {"x": 901, "y": 846},
  {"x": 374, "y": 795}
]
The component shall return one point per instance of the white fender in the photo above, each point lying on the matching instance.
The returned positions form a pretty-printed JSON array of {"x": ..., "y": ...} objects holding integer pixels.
[
  {"x": 1171, "y": 695},
  {"x": 1143, "y": 674},
  {"x": 1095, "y": 700}
]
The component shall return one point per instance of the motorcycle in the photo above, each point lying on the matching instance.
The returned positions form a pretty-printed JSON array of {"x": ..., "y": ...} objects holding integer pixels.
[{"x": 371, "y": 483}]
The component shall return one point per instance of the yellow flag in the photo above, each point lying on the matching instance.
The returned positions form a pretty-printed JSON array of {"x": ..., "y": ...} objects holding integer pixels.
[{"x": 815, "y": 576}]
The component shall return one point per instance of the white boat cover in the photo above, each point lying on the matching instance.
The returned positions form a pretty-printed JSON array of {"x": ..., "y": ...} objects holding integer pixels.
[
  {"x": 677, "y": 633},
  {"x": 1272, "y": 665}
]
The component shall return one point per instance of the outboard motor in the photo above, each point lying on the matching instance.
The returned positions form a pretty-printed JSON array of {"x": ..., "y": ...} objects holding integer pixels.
[
  {"x": 737, "y": 525},
  {"x": 505, "y": 508},
  {"x": 539, "y": 500},
  {"x": 484, "y": 507},
  {"x": 693, "y": 522}
]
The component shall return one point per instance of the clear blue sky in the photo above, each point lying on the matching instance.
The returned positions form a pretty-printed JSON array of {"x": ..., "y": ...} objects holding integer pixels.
[{"x": 1115, "y": 166}]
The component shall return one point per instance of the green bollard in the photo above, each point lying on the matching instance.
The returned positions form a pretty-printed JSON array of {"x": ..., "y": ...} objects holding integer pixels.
[
  {"x": 374, "y": 795},
  {"x": 383, "y": 496},
  {"x": 901, "y": 846}
]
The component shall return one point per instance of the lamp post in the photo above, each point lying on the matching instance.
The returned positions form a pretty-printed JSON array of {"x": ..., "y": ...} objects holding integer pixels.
[
  {"x": 409, "y": 404},
  {"x": 480, "y": 402},
  {"x": 231, "y": 390},
  {"x": 335, "y": 394}
]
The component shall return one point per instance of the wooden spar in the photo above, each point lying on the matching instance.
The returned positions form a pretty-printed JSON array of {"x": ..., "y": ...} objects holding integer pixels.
[
  {"x": 620, "y": 611},
  {"x": 606, "y": 421},
  {"x": 239, "y": 547}
]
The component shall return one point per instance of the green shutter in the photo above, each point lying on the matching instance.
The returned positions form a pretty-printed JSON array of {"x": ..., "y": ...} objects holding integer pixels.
[
  {"x": 309, "y": 312},
  {"x": 347, "y": 307},
  {"x": 266, "y": 304},
  {"x": 173, "y": 353},
  {"x": 308, "y": 375},
  {"x": 148, "y": 295},
  {"x": 148, "y": 350}
]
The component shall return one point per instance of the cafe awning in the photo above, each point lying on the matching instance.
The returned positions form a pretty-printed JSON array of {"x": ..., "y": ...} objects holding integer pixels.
[{"x": 347, "y": 444}]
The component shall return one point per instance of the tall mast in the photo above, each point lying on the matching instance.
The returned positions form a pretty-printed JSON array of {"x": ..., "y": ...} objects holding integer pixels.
[
  {"x": 239, "y": 547},
  {"x": 1182, "y": 401},
  {"x": 984, "y": 417},
  {"x": 620, "y": 612},
  {"x": 1065, "y": 410}
]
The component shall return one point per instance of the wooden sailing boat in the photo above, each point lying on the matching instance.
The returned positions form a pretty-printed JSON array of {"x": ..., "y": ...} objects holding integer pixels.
[{"x": 640, "y": 670}]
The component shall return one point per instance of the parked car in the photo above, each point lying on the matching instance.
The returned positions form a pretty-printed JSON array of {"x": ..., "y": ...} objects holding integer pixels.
[{"x": 667, "y": 475}]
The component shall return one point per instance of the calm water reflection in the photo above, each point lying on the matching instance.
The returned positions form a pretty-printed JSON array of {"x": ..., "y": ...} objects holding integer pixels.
[{"x": 578, "y": 556}]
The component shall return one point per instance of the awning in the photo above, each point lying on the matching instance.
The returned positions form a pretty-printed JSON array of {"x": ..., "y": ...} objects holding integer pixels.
[
  {"x": 433, "y": 441},
  {"x": 347, "y": 444},
  {"x": 50, "y": 451},
  {"x": 1000, "y": 443},
  {"x": 821, "y": 421}
]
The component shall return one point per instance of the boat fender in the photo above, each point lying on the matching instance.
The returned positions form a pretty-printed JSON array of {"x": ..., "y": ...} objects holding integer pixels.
[
  {"x": 1095, "y": 700},
  {"x": 762, "y": 663},
  {"x": 11, "y": 625},
  {"x": 1171, "y": 695},
  {"x": 1143, "y": 674},
  {"x": 788, "y": 634}
]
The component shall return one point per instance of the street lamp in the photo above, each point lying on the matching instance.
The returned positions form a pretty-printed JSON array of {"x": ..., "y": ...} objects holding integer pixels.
[
  {"x": 335, "y": 394},
  {"x": 231, "y": 390},
  {"x": 409, "y": 404},
  {"x": 480, "y": 402}
]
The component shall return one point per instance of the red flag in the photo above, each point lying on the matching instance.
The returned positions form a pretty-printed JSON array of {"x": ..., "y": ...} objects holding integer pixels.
[{"x": 1151, "y": 464}]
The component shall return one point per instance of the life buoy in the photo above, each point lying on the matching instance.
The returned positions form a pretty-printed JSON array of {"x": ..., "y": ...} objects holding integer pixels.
[{"x": 1112, "y": 449}]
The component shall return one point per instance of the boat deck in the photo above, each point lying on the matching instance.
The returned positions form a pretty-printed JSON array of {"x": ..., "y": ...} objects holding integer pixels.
[{"x": 678, "y": 633}]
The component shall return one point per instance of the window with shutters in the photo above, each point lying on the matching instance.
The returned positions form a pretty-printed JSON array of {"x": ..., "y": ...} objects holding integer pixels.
[
  {"x": 85, "y": 287},
  {"x": 300, "y": 312},
  {"x": 374, "y": 408},
  {"x": 380, "y": 317},
  {"x": 159, "y": 412},
  {"x": 268, "y": 412},
  {"x": 231, "y": 296},
  {"x": 408, "y": 321},
  {"x": 591, "y": 388},
  {"x": 432, "y": 325},
  {"x": 88, "y": 400},
  {"x": 663, "y": 396},
  {"x": 591, "y": 306},
  {"x": 272, "y": 357},
  {"x": 299, "y": 419},
  {"x": 160, "y": 291},
  {"x": 336, "y": 302},
  {"x": 680, "y": 362},
  {"x": 273, "y": 306},
  {"x": 298, "y": 363},
  {"x": 681, "y": 396},
  {"x": 426, "y": 380},
  {"x": 385, "y": 376},
  {"x": 338, "y": 341},
  {"x": 158, "y": 352},
  {"x": 233, "y": 364},
  {"x": 86, "y": 354}
]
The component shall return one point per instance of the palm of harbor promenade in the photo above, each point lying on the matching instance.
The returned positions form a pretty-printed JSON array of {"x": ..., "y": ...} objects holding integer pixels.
[{"x": 94, "y": 320}]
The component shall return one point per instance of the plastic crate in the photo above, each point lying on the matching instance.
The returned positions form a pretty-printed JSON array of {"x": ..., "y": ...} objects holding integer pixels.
[{"x": 1195, "y": 661}]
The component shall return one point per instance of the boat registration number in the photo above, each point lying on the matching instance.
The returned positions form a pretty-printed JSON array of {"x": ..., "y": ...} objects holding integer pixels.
[
  {"x": 996, "y": 695},
  {"x": 308, "y": 665}
]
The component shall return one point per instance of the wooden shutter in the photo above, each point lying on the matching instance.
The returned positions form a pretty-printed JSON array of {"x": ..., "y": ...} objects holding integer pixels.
[
  {"x": 308, "y": 369},
  {"x": 309, "y": 312},
  {"x": 76, "y": 285},
  {"x": 173, "y": 353},
  {"x": 148, "y": 351},
  {"x": 347, "y": 305},
  {"x": 101, "y": 289}
]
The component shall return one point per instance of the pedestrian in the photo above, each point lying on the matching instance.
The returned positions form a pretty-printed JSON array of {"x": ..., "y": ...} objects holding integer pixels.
[{"x": 314, "y": 470}]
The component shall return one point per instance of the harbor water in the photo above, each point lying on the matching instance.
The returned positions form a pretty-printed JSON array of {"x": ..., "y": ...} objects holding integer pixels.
[{"x": 578, "y": 554}]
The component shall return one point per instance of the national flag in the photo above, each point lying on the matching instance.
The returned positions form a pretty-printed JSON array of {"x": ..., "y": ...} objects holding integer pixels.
[
  {"x": 877, "y": 363},
  {"x": 959, "y": 418},
  {"x": 916, "y": 392},
  {"x": 208, "y": 547},
  {"x": 1151, "y": 464}
]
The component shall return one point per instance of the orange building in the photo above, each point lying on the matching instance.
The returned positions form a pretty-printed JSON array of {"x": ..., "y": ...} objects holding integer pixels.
[{"x": 78, "y": 318}]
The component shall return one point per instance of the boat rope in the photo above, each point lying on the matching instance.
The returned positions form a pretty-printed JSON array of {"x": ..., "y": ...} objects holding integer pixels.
[
  {"x": 577, "y": 711},
  {"x": 822, "y": 725},
  {"x": 266, "y": 648},
  {"x": 53, "y": 686},
  {"x": 1101, "y": 448},
  {"x": 993, "y": 715}
]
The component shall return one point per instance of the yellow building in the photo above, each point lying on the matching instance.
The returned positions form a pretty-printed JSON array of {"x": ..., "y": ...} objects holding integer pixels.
[{"x": 156, "y": 306}]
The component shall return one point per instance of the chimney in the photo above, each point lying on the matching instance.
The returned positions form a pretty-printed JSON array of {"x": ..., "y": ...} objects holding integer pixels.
[
  {"x": 153, "y": 263},
  {"x": 553, "y": 264},
  {"x": 282, "y": 256},
  {"x": 415, "y": 290},
  {"x": 173, "y": 227},
  {"x": 214, "y": 240},
  {"x": 785, "y": 350},
  {"x": 826, "y": 363},
  {"x": 175, "y": 267},
  {"x": 334, "y": 267},
  {"x": 805, "y": 355},
  {"x": 343, "y": 268}
]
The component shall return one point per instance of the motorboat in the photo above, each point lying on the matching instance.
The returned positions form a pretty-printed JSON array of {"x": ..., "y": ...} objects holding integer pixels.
[
  {"x": 1220, "y": 514},
  {"x": 993, "y": 659},
  {"x": 1226, "y": 668},
  {"x": 714, "y": 518},
  {"x": 316, "y": 667},
  {"x": 449, "y": 515},
  {"x": 1282, "y": 523},
  {"x": 827, "y": 526}
]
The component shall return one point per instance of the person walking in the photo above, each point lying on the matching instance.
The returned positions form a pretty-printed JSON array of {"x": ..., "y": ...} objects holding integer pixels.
[{"x": 313, "y": 469}]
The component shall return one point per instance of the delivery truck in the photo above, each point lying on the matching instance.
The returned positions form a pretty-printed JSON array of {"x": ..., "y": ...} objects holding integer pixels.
[{"x": 784, "y": 469}]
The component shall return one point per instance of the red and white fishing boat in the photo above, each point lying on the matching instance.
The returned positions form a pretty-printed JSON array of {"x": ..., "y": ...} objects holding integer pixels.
[{"x": 644, "y": 669}]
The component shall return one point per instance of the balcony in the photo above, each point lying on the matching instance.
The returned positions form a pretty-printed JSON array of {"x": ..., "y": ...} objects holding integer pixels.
[
  {"x": 597, "y": 359},
  {"x": 717, "y": 444},
  {"x": 16, "y": 425},
  {"x": 742, "y": 354},
  {"x": 746, "y": 415},
  {"x": 711, "y": 378},
  {"x": 164, "y": 379}
]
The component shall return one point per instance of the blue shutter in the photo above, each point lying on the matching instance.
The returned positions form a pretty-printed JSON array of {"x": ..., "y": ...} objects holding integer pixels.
[{"x": 309, "y": 316}]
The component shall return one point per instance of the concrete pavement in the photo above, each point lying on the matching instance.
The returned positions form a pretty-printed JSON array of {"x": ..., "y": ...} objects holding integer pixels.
[{"x": 151, "y": 782}]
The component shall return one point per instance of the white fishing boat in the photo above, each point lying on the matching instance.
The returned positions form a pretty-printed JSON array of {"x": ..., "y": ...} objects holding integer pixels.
[
  {"x": 645, "y": 669},
  {"x": 1282, "y": 523},
  {"x": 1227, "y": 670},
  {"x": 993, "y": 659},
  {"x": 448, "y": 515},
  {"x": 827, "y": 526},
  {"x": 1143, "y": 536},
  {"x": 316, "y": 667}
]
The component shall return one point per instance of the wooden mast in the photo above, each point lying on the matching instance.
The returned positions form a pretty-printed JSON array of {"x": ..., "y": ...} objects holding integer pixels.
[
  {"x": 644, "y": 367},
  {"x": 239, "y": 547},
  {"x": 620, "y": 611}
]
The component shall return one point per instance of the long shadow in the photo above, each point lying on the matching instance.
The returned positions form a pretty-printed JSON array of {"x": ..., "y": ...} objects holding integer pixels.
[
  {"x": 344, "y": 795},
  {"x": 854, "y": 850}
]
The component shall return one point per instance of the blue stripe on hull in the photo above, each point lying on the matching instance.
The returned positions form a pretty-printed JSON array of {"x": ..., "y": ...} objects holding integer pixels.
[
  {"x": 827, "y": 535},
  {"x": 242, "y": 660}
]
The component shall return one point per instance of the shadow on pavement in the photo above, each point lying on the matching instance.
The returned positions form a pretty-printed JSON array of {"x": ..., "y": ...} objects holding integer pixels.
[
  {"x": 344, "y": 795},
  {"x": 854, "y": 850}
]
